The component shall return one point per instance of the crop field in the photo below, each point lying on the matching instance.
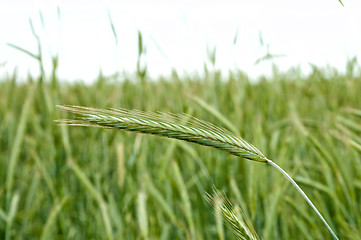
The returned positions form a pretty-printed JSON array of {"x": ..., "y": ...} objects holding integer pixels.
[{"x": 66, "y": 182}]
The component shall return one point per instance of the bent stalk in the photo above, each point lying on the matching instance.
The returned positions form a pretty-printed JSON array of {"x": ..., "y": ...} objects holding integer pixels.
[
  {"x": 182, "y": 127},
  {"x": 289, "y": 178}
]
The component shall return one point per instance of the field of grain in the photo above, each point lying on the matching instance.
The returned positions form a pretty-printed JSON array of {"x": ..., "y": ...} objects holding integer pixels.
[{"x": 61, "y": 182}]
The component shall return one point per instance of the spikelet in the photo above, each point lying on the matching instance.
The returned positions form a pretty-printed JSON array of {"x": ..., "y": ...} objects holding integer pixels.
[
  {"x": 239, "y": 225},
  {"x": 178, "y": 126}
]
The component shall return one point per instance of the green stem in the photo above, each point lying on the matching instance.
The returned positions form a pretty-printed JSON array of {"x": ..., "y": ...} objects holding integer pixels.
[{"x": 303, "y": 195}]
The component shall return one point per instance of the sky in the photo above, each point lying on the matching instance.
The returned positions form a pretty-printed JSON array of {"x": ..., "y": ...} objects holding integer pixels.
[{"x": 178, "y": 36}]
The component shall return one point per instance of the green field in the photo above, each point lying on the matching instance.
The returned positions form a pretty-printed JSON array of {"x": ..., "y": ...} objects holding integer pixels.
[{"x": 60, "y": 182}]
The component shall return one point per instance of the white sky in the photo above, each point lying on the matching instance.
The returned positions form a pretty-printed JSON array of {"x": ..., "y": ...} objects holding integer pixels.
[{"x": 177, "y": 35}]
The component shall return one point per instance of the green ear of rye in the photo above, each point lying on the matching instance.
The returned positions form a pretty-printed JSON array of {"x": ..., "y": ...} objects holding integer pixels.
[{"x": 177, "y": 126}]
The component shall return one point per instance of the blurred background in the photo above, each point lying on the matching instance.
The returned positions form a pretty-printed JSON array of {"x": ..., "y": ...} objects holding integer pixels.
[
  {"x": 284, "y": 75},
  {"x": 89, "y": 36}
]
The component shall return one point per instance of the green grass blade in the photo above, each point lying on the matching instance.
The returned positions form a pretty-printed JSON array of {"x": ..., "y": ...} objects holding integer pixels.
[
  {"x": 52, "y": 217},
  {"x": 3, "y": 215},
  {"x": 14, "y": 204},
  {"x": 16, "y": 146},
  {"x": 142, "y": 214},
  {"x": 96, "y": 196},
  {"x": 188, "y": 211}
]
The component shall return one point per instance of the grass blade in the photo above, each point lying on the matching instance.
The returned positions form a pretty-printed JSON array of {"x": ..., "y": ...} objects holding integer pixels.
[
  {"x": 142, "y": 214},
  {"x": 96, "y": 195},
  {"x": 188, "y": 211},
  {"x": 52, "y": 217}
]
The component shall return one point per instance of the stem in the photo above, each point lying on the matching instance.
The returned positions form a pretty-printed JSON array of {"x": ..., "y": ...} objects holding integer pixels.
[{"x": 303, "y": 195}]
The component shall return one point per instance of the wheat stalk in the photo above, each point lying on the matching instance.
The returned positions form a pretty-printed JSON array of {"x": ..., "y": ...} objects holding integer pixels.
[
  {"x": 178, "y": 126},
  {"x": 181, "y": 126}
]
